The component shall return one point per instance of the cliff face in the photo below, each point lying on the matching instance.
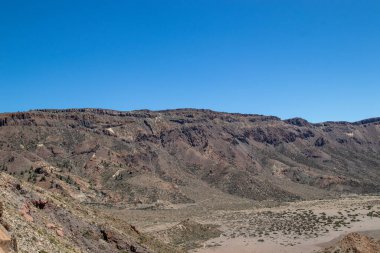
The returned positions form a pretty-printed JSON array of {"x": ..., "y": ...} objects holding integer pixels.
[{"x": 144, "y": 156}]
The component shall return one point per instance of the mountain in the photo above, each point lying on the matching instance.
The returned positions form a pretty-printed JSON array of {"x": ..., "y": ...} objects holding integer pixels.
[{"x": 178, "y": 156}]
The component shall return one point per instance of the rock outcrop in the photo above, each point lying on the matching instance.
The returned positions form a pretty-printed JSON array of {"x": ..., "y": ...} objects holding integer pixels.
[
  {"x": 5, "y": 239},
  {"x": 355, "y": 243},
  {"x": 63, "y": 224}
]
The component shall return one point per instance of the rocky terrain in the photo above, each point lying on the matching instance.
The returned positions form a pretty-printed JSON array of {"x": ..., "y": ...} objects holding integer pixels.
[
  {"x": 73, "y": 180},
  {"x": 355, "y": 242},
  {"x": 145, "y": 156},
  {"x": 37, "y": 220}
]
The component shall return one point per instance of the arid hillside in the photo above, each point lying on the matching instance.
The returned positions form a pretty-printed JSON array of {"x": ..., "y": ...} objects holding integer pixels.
[
  {"x": 179, "y": 156},
  {"x": 35, "y": 220}
]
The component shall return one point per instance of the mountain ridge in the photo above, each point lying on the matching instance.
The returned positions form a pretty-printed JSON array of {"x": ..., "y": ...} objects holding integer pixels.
[{"x": 121, "y": 112}]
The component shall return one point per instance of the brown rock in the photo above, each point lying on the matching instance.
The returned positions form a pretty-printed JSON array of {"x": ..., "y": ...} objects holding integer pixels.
[
  {"x": 51, "y": 226},
  {"x": 60, "y": 232}
]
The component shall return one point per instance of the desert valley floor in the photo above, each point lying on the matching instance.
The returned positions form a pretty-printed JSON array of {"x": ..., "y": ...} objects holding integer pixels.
[{"x": 293, "y": 227}]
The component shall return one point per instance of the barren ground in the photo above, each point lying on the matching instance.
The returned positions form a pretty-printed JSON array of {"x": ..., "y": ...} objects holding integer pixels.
[{"x": 265, "y": 227}]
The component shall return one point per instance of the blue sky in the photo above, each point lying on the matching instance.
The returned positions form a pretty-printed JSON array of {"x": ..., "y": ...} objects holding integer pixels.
[{"x": 316, "y": 59}]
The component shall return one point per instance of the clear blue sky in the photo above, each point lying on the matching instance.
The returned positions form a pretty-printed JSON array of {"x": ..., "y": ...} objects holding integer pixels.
[{"x": 315, "y": 59}]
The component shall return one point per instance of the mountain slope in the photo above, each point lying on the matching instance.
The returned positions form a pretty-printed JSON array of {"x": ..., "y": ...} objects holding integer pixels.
[
  {"x": 42, "y": 221},
  {"x": 178, "y": 156}
]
